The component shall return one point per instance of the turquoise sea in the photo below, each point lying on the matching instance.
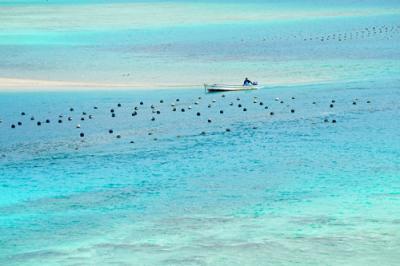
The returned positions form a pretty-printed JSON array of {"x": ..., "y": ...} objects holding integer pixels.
[
  {"x": 305, "y": 171},
  {"x": 191, "y": 42},
  {"x": 281, "y": 189}
]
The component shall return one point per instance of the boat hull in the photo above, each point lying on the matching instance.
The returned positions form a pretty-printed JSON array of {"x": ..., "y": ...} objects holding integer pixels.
[{"x": 221, "y": 87}]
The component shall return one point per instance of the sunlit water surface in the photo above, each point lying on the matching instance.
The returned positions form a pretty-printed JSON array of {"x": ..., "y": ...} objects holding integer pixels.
[
  {"x": 246, "y": 188},
  {"x": 281, "y": 189}
]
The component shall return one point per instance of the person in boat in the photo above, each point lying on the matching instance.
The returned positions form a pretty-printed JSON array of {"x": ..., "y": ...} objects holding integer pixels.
[{"x": 248, "y": 82}]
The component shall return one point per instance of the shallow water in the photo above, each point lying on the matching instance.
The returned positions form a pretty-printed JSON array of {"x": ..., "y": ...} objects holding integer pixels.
[
  {"x": 277, "y": 189},
  {"x": 192, "y": 42},
  {"x": 281, "y": 189}
]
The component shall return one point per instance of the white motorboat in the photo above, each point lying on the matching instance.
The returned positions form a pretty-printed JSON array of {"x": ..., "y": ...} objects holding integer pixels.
[{"x": 226, "y": 87}]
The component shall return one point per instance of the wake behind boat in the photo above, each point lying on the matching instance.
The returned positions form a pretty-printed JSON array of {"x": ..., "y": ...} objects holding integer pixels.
[{"x": 226, "y": 87}]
